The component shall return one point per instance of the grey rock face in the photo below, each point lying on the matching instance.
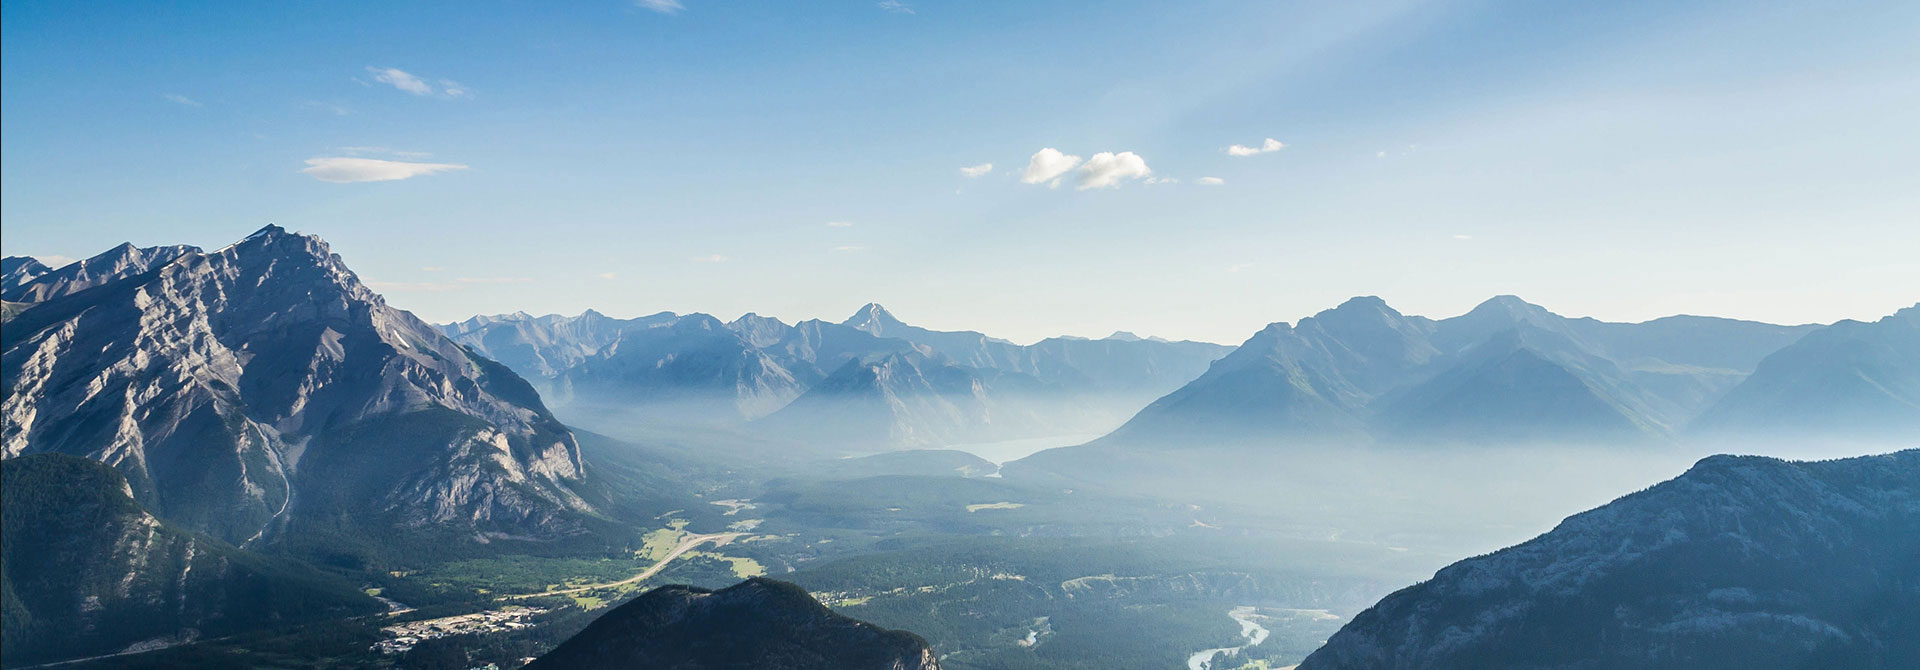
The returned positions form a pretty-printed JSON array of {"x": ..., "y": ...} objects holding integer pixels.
[
  {"x": 244, "y": 390},
  {"x": 122, "y": 261}
]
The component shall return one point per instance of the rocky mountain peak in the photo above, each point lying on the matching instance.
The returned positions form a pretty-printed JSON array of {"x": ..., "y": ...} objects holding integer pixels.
[
  {"x": 873, "y": 319},
  {"x": 277, "y": 369}
]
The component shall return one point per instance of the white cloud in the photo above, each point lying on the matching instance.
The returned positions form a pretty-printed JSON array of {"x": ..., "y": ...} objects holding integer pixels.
[
  {"x": 973, "y": 171},
  {"x": 1239, "y": 267},
  {"x": 711, "y": 258},
  {"x": 453, "y": 89},
  {"x": 401, "y": 79},
  {"x": 662, "y": 6},
  {"x": 433, "y": 268},
  {"x": 606, "y": 275},
  {"x": 495, "y": 280},
  {"x": 1270, "y": 145},
  {"x": 849, "y": 249},
  {"x": 178, "y": 99},
  {"x": 1047, "y": 165},
  {"x": 1209, "y": 181},
  {"x": 896, "y": 6},
  {"x": 342, "y": 170},
  {"x": 1463, "y": 237},
  {"x": 1380, "y": 154},
  {"x": 1107, "y": 169},
  {"x": 839, "y": 224}
]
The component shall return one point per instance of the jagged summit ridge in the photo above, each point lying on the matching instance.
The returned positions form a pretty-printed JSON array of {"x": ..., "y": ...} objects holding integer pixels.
[{"x": 222, "y": 382}]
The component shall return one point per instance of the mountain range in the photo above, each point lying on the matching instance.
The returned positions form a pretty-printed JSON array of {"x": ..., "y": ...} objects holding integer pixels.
[
  {"x": 1741, "y": 562},
  {"x": 263, "y": 390},
  {"x": 758, "y": 623},
  {"x": 1511, "y": 371},
  {"x": 870, "y": 381}
]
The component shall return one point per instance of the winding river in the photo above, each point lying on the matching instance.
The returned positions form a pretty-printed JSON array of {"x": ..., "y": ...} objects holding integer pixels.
[{"x": 1250, "y": 630}]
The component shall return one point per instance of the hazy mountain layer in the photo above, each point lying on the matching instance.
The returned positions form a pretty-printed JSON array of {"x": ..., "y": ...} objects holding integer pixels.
[
  {"x": 1849, "y": 381},
  {"x": 1742, "y": 562},
  {"x": 671, "y": 370},
  {"x": 1506, "y": 371},
  {"x": 88, "y": 571},
  {"x": 911, "y": 399},
  {"x": 758, "y": 623},
  {"x": 263, "y": 387}
]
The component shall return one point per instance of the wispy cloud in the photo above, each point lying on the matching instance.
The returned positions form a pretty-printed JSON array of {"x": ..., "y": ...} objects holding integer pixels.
[
  {"x": 1463, "y": 237},
  {"x": 710, "y": 258},
  {"x": 661, "y": 6},
  {"x": 895, "y": 6},
  {"x": 839, "y": 224},
  {"x": 412, "y": 83},
  {"x": 606, "y": 275},
  {"x": 1269, "y": 146},
  {"x": 178, "y": 99},
  {"x": 1047, "y": 165},
  {"x": 1209, "y": 181},
  {"x": 495, "y": 280},
  {"x": 849, "y": 249},
  {"x": 433, "y": 268},
  {"x": 1239, "y": 267},
  {"x": 345, "y": 170},
  {"x": 1107, "y": 169},
  {"x": 973, "y": 171},
  {"x": 400, "y": 79}
]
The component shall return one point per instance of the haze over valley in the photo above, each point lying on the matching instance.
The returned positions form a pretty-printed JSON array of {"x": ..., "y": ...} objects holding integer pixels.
[
  {"x": 935, "y": 335},
  {"x": 281, "y": 419}
]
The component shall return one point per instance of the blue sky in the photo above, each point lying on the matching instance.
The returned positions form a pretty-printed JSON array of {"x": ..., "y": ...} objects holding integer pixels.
[{"x": 1620, "y": 160}]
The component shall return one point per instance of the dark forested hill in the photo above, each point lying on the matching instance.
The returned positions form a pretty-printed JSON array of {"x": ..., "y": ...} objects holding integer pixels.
[
  {"x": 1743, "y": 562},
  {"x": 759, "y": 623}
]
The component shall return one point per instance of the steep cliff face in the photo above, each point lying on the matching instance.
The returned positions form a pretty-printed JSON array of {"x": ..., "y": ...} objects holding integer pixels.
[
  {"x": 1742, "y": 562},
  {"x": 89, "y": 572},
  {"x": 758, "y": 623},
  {"x": 250, "y": 389}
]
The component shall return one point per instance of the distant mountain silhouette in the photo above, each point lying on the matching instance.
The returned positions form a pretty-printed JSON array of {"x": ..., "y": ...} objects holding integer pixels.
[
  {"x": 909, "y": 399},
  {"x": 1849, "y": 381},
  {"x": 1741, "y": 563},
  {"x": 759, "y": 623},
  {"x": 1508, "y": 370},
  {"x": 692, "y": 370}
]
